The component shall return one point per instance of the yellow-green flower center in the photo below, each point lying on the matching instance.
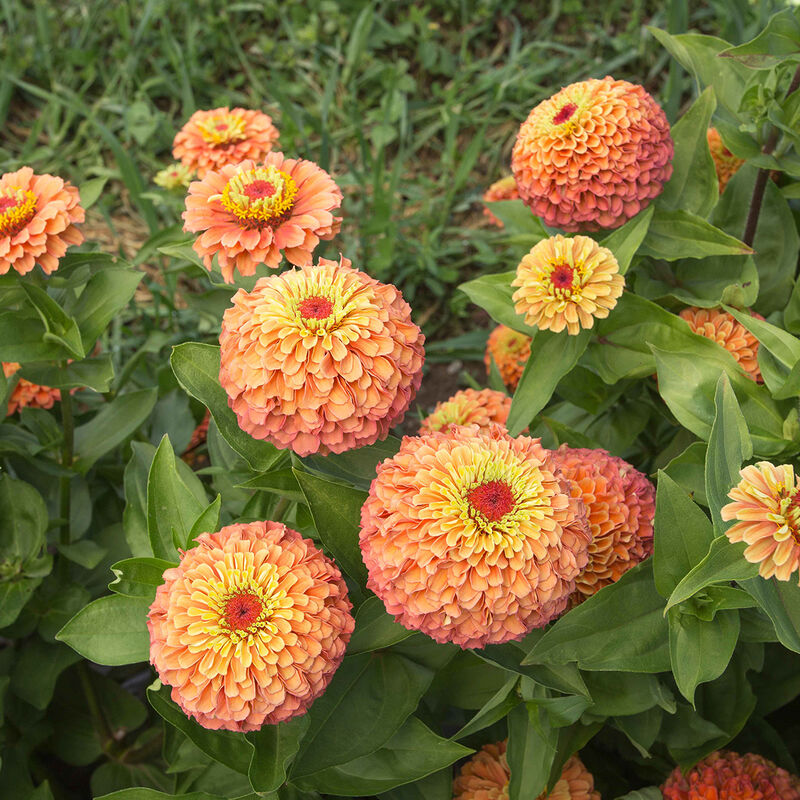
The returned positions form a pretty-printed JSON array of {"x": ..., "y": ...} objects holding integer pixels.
[
  {"x": 259, "y": 197},
  {"x": 789, "y": 513},
  {"x": 17, "y": 208},
  {"x": 222, "y": 130}
]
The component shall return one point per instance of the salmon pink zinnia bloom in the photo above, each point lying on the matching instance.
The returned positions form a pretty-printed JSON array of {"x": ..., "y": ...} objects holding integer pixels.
[
  {"x": 26, "y": 394},
  {"x": 214, "y": 139},
  {"x": 250, "y": 626},
  {"x": 38, "y": 214},
  {"x": 567, "y": 283},
  {"x": 510, "y": 351},
  {"x": 248, "y": 214},
  {"x": 468, "y": 407},
  {"x": 725, "y": 162},
  {"x": 766, "y": 507},
  {"x": 504, "y": 189},
  {"x": 321, "y": 359},
  {"x": 593, "y": 155},
  {"x": 472, "y": 537}
]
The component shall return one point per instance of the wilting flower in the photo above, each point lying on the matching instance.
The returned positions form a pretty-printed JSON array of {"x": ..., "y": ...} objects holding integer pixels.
[
  {"x": 199, "y": 437},
  {"x": 510, "y": 350},
  {"x": 486, "y": 775},
  {"x": 566, "y": 283},
  {"x": 470, "y": 537},
  {"x": 724, "y": 329},
  {"x": 37, "y": 220},
  {"x": 725, "y": 162},
  {"x": 177, "y": 176},
  {"x": 214, "y": 139},
  {"x": 468, "y": 407},
  {"x": 766, "y": 507},
  {"x": 26, "y": 394},
  {"x": 728, "y": 776},
  {"x": 504, "y": 189},
  {"x": 620, "y": 504},
  {"x": 593, "y": 155},
  {"x": 321, "y": 359},
  {"x": 249, "y": 627},
  {"x": 249, "y": 214}
]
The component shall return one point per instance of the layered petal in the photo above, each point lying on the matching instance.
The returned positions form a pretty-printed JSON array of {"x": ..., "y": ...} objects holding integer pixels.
[
  {"x": 510, "y": 351},
  {"x": 27, "y": 394},
  {"x": 468, "y": 407}
]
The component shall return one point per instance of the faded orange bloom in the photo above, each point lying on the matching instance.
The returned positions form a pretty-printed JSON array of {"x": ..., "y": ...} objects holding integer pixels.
[
  {"x": 567, "y": 283},
  {"x": 504, "y": 189},
  {"x": 486, "y": 775},
  {"x": 468, "y": 407},
  {"x": 178, "y": 176},
  {"x": 620, "y": 504},
  {"x": 728, "y": 776},
  {"x": 593, "y": 155},
  {"x": 250, "y": 626},
  {"x": 510, "y": 350},
  {"x": 38, "y": 214},
  {"x": 471, "y": 536},
  {"x": 725, "y": 162},
  {"x": 220, "y": 137},
  {"x": 766, "y": 507},
  {"x": 26, "y": 394},
  {"x": 724, "y": 329},
  {"x": 321, "y": 359},
  {"x": 250, "y": 214}
]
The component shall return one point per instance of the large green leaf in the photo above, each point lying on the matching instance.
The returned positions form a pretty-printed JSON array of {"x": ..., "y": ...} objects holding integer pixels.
[
  {"x": 494, "y": 709},
  {"x": 779, "y": 41},
  {"x": 274, "y": 748},
  {"x": 24, "y": 521},
  {"x": 375, "y": 629},
  {"x": 93, "y": 373},
  {"x": 781, "y": 602},
  {"x": 493, "y": 294},
  {"x": 531, "y": 749},
  {"x": 139, "y": 577},
  {"x": 624, "y": 242},
  {"x": 60, "y": 327},
  {"x": 22, "y": 339}
]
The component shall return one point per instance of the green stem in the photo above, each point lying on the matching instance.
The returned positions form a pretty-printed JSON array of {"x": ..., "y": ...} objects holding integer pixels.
[{"x": 68, "y": 426}]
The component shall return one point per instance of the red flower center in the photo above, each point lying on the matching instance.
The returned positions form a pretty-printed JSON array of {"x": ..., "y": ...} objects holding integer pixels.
[
  {"x": 7, "y": 202},
  {"x": 221, "y": 126},
  {"x": 565, "y": 113},
  {"x": 315, "y": 308},
  {"x": 259, "y": 188},
  {"x": 493, "y": 499},
  {"x": 242, "y": 610},
  {"x": 561, "y": 276}
]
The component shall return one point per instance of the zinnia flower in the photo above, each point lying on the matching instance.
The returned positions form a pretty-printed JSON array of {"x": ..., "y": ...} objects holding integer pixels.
[
  {"x": 486, "y": 775},
  {"x": 725, "y": 162},
  {"x": 593, "y": 155},
  {"x": 175, "y": 177},
  {"x": 37, "y": 220},
  {"x": 248, "y": 214},
  {"x": 468, "y": 407},
  {"x": 249, "y": 627},
  {"x": 321, "y": 359},
  {"x": 471, "y": 536},
  {"x": 566, "y": 283},
  {"x": 728, "y": 776},
  {"x": 620, "y": 504},
  {"x": 214, "y": 139},
  {"x": 26, "y": 394},
  {"x": 510, "y": 350},
  {"x": 504, "y": 189},
  {"x": 766, "y": 507},
  {"x": 724, "y": 329}
]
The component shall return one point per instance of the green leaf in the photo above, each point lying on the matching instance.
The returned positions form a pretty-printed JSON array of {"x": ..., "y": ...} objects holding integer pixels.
[
  {"x": 355, "y": 467},
  {"x": 24, "y": 521},
  {"x": 520, "y": 225},
  {"x": 779, "y": 41},
  {"x": 617, "y": 695},
  {"x": 110, "y": 630},
  {"x": 93, "y": 373},
  {"x": 84, "y": 552},
  {"x": 688, "y": 471},
  {"x": 274, "y": 748},
  {"x": 493, "y": 710},
  {"x": 90, "y": 191},
  {"x": 13, "y": 597},
  {"x": 436, "y": 786},
  {"x": 134, "y": 516},
  {"x": 624, "y": 242},
  {"x": 207, "y": 521},
  {"x": 60, "y": 327},
  {"x": 780, "y": 600},
  {"x": 37, "y": 670},
  {"x": 493, "y": 294},
  {"x": 139, "y": 577},
  {"x": 375, "y": 629},
  {"x": 281, "y": 482},
  {"x": 648, "y": 793},
  {"x": 531, "y": 750},
  {"x": 22, "y": 339},
  {"x": 140, "y": 793}
]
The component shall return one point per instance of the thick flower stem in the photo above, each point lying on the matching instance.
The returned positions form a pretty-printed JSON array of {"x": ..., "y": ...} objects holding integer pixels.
[{"x": 66, "y": 463}]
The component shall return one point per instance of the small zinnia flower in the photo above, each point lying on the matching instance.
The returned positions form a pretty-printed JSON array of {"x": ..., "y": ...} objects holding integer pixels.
[
  {"x": 567, "y": 283},
  {"x": 728, "y": 776},
  {"x": 471, "y": 536},
  {"x": 178, "y": 176},
  {"x": 593, "y": 155},
  {"x": 724, "y": 329},
  {"x": 504, "y": 189},
  {"x": 620, "y": 504},
  {"x": 26, "y": 394},
  {"x": 214, "y": 139},
  {"x": 38, "y": 214},
  {"x": 766, "y": 507},
  {"x": 725, "y": 162},
  {"x": 468, "y": 407},
  {"x": 321, "y": 359},
  {"x": 510, "y": 350},
  {"x": 250, "y": 626},
  {"x": 486, "y": 775},
  {"x": 248, "y": 213}
]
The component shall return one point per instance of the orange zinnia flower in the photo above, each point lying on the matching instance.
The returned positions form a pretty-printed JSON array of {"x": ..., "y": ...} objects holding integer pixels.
[
  {"x": 567, "y": 283},
  {"x": 250, "y": 626},
  {"x": 321, "y": 359},
  {"x": 593, "y": 155},
  {"x": 510, "y": 350},
  {"x": 178, "y": 176},
  {"x": 486, "y": 775},
  {"x": 37, "y": 220},
  {"x": 728, "y": 776},
  {"x": 214, "y": 139},
  {"x": 26, "y": 394},
  {"x": 504, "y": 189},
  {"x": 249, "y": 214},
  {"x": 725, "y": 162},
  {"x": 468, "y": 407},
  {"x": 766, "y": 507},
  {"x": 471, "y": 537}
]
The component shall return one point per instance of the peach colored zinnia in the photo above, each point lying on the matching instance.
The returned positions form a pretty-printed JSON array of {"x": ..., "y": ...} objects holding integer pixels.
[
  {"x": 214, "y": 139},
  {"x": 593, "y": 155},
  {"x": 510, "y": 351},
  {"x": 250, "y": 626},
  {"x": 620, "y": 504},
  {"x": 468, "y": 407},
  {"x": 38, "y": 215},
  {"x": 725, "y": 775},
  {"x": 486, "y": 775},
  {"x": 249, "y": 214},
  {"x": 471, "y": 537},
  {"x": 27, "y": 394},
  {"x": 766, "y": 507},
  {"x": 567, "y": 283},
  {"x": 321, "y": 359},
  {"x": 504, "y": 189},
  {"x": 725, "y": 162}
]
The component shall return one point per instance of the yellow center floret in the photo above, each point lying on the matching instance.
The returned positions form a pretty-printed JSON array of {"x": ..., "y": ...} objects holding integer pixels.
[
  {"x": 17, "y": 208},
  {"x": 259, "y": 197},
  {"x": 223, "y": 130}
]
